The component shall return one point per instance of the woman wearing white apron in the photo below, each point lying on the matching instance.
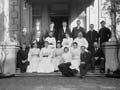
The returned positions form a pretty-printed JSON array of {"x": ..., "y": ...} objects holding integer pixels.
[
  {"x": 33, "y": 58},
  {"x": 45, "y": 63}
]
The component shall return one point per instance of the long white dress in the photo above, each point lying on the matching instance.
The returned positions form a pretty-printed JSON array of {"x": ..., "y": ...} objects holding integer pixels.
[
  {"x": 33, "y": 58},
  {"x": 57, "y": 57},
  {"x": 67, "y": 42},
  {"x": 81, "y": 42},
  {"x": 45, "y": 64},
  {"x": 75, "y": 62}
]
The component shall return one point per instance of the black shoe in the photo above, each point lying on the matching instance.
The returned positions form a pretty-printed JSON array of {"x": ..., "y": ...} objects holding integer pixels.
[
  {"x": 81, "y": 77},
  {"x": 56, "y": 71}
]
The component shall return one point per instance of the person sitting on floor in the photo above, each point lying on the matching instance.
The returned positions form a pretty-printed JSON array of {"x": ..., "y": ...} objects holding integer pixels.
[
  {"x": 85, "y": 63},
  {"x": 65, "y": 66}
]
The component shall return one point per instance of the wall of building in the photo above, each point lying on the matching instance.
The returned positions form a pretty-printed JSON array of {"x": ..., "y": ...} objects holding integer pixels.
[{"x": 1, "y": 20}]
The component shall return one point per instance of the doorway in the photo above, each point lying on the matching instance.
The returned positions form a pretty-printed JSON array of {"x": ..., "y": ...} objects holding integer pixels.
[{"x": 58, "y": 21}]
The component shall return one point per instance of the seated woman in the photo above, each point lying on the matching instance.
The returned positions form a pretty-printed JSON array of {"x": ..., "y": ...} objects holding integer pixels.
[
  {"x": 51, "y": 40},
  {"x": 81, "y": 41},
  {"x": 75, "y": 51},
  {"x": 65, "y": 66},
  {"x": 33, "y": 58},
  {"x": 67, "y": 42},
  {"x": 57, "y": 56},
  {"x": 45, "y": 63}
]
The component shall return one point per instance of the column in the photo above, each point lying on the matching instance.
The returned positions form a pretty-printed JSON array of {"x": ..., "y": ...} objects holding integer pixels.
[
  {"x": 44, "y": 20},
  {"x": 1, "y": 20}
]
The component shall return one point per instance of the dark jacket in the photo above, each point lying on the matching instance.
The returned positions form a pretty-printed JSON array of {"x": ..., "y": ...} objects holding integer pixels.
[
  {"x": 92, "y": 36},
  {"x": 21, "y": 56},
  {"x": 75, "y": 32},
  {"x": 104, "y": 35},
  {"x": 61, "y": 34},
  {"x": 85, "y": 57}
]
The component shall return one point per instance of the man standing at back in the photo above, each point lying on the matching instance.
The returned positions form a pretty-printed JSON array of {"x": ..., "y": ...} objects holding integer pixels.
[
  {"x": 63, "y": 31},
  {"x": 104, "y": 33},
  {"x": 78, "y": 29}
]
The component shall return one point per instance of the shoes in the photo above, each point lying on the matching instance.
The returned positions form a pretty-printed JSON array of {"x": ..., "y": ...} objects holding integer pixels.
[{"x": 81, "y": 77}]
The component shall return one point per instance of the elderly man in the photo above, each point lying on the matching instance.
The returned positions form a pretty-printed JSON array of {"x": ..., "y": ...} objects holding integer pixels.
[{"x": 78, "y": 29}]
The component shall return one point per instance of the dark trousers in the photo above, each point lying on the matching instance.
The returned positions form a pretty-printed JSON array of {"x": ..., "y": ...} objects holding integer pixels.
[
  {"x": 100, "y": 62},
  {"x": 66, "y": 71},
  {"x": 84, "y": 68},
  {"x": 23, "y": 67}
]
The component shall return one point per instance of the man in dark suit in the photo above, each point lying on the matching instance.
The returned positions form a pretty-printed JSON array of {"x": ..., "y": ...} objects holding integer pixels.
[
  {"x": 52, "y": 29},
  {"x": 92, "y": 37},
  {"x": 104, "y": 33},
  {"x": 85, "y": 63},
  {"x": 22, "y": 56},
  {"x": 63, "y": 31},
  {"x": 78, "y": 29},
  {"x": 98, "y": 58}
]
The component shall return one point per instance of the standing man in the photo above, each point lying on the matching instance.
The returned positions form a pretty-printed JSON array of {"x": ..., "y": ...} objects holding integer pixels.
[
  {"x": 63, "y": 31},
  {"x": 104, "y": 33},
  {"x": 92, "y": 37},
  {"x": 51, "y": 29},
  {"x": 78, "y": 29}
]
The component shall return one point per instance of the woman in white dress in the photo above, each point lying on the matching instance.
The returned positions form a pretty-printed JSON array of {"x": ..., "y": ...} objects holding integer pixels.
[
  {"x": 75, "y": 51},
  {"x": 57, "y": 56},
  {"x": 81, "y": 41},
  {"x": 67, "y": 42},
  {"x": 66, "y": 67},
  {"x": 45, "y": 63},
  {"x": 51, "y": 40},
  {"x": 33, "y": 58}
]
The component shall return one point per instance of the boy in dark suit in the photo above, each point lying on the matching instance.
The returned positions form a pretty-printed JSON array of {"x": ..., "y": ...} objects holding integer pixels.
[{"x": 85, "y": 61}]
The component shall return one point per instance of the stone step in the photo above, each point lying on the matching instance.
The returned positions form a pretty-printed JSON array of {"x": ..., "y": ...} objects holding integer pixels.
[{"x": 54, "y": 74}]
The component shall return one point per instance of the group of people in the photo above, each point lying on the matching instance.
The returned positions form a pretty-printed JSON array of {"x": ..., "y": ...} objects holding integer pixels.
[{"x": 67, "y": 52}]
